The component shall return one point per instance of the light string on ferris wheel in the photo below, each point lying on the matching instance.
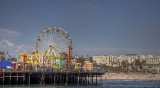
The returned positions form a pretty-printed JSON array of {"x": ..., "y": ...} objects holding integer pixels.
[
  {"x": 44, "y": 39},
  {"x": 61, "y": 45},
  {"x": 59, "y": 37},
  {"x": 42, "y": 46},
  {"x": 55, "y": 42},
  {"x": 58, "y": 40}
]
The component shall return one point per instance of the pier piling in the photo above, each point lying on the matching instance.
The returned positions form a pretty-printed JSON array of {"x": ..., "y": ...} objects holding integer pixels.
[{"x": 27, "y": 78}]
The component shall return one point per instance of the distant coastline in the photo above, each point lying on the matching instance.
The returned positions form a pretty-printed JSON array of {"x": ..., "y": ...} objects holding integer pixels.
[{"x": 130, "y": 76}]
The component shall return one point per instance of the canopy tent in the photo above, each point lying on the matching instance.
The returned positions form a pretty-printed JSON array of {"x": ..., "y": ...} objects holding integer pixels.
[{"x": 5, "y": 64}]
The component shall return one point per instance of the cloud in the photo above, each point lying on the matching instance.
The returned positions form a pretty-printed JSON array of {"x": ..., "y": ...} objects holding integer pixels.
[
  {"x": 9, "y": 32},
  {"x": 13, "y": 49},
  {"x": 6, "y": 43},
  {"x": 6, "y": 36}
]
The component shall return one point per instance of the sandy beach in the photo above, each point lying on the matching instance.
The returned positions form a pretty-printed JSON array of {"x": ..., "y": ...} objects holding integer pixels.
[{"x": 131, "y": 76}]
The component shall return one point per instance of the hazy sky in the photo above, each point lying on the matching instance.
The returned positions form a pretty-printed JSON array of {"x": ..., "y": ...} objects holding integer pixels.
[{"x": 97, "y": 27}]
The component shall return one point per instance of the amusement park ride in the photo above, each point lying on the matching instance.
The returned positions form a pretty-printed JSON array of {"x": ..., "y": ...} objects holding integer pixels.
[{"x": 53, "y": 48}]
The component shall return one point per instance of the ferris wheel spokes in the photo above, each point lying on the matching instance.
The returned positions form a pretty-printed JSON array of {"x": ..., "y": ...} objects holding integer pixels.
[{"x": 53, "y": 43}]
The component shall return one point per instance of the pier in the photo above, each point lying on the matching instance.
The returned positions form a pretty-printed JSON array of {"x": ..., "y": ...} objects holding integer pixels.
[
  {"x": 57, "y": 77},
  {"x": 50, "y": 63}
]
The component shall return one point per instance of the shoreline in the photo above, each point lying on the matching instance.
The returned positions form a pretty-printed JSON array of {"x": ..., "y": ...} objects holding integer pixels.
[{"x": 130, "y": 76}]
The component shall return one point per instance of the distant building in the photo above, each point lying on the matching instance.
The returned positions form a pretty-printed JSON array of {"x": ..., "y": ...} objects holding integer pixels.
[
  {"x": 150, "y": 62},
  {"x": 130, "y": 58},
  {"x": 88, "y": 65},
  {"x": 153, "y": 63},
  {"x": 76, "y": 57},
  {"x": 100, "y": 59},
  {"x": 78, "y": 66},
  {"x": 107, "y": 60}
]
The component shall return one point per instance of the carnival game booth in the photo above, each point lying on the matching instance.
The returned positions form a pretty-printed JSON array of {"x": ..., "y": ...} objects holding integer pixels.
[
  {"x": 39, "y": 62},
  {"x": 30, "y": 62}
]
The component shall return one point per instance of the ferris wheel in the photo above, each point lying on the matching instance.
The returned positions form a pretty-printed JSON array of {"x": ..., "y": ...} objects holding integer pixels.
[{"x": 53, "y": 41}]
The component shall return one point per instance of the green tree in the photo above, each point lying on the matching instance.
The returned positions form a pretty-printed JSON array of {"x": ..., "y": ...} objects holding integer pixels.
[
  {"x": 139, "y": 64},
  {"x": 125, "y": 65},
  {"x": 80, "y": 60},
  {"x": 103, "y": 66}
]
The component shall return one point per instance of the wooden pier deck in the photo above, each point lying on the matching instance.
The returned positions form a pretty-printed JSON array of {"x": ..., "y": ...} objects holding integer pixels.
[{"x": 58, "y": 77}]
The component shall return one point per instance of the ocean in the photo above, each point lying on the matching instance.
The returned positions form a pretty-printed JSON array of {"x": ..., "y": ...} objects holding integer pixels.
[{"x": 102, "y": 84}]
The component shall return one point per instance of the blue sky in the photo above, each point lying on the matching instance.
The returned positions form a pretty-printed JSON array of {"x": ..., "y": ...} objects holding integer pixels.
[{"x": 97, "y": 27}]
